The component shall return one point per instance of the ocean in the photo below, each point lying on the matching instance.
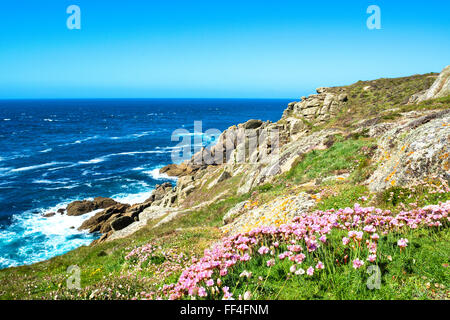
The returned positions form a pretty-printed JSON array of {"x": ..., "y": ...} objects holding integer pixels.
[{"x": 53, "y": 152}]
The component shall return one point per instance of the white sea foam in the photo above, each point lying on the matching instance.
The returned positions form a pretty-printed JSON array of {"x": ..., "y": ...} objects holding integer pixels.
[
  {"x": 38, "y": 166},
  {"x": 46, "y": 150},
  {"x": 92, "y": 161},
  {"x": 132, "y": 198},
  {"x": 79, "y": 141},
  {"x": 156, "y": 175},
  {"x": 45, "y": 181},
  {"x": 36, "y": 238},
  {"x": 133, "y": 136},
  {"x": 130, "y": 153}
]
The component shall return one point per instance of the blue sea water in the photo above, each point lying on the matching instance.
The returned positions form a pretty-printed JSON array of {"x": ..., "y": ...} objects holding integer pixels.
[{"x": 53, "y": 152}]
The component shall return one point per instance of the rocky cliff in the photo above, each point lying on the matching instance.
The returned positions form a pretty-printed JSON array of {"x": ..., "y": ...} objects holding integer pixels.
[{"x": 406, "y": 120}]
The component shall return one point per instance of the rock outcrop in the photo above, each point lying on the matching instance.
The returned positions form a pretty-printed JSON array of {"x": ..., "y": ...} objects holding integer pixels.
[
  {"x": 439, "y": 89},
  {"x": 413, "y": 152},
  {"x": 318, "y": 107},
  {"x": 78, "y": 208},
  {"x": 411, "y": 148}
]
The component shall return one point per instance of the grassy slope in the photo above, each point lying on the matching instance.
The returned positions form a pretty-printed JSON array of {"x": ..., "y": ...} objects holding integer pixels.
[{"x": 105, "y": 270}]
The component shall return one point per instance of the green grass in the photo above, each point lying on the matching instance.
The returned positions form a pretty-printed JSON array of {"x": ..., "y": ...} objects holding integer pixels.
[{"x": 344, "y": 156}]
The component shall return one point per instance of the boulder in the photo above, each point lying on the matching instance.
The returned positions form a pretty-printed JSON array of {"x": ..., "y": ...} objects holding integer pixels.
[
  {"x": 96, "y": 222},
  {"x": 413, "y": 152},
  {"x": 78, "y": 208},
  {"x": 175, "y": 170},
  {"x": 49, "y": 214},
  {"x": 121, "y": 222},
  {"x": 253, "y": 124},
  {"x": 440, "y": 88},
  {"x": 235, "y": 212},
  {"x": 103, "y": 203}
]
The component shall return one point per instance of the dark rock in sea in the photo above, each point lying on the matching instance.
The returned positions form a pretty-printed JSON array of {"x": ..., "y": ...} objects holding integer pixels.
[
  {"x": 49, "y": 214},
  {"x": 96, "y": 222},
  {"x": 103, "y": 203},
  {"x": 177, "y": 170},
  {"x": 61, "y": 211},
  {"x": 121, "y": 222},
  {"x": 78, "y": 208}
]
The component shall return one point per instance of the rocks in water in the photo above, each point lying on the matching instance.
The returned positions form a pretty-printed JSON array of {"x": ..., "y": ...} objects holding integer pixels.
[
  {"x": 61, "y": 211},
  {"x": 96, "y": 222},
  {"x": 78, "y": 208},
  {"x": 49, "y": 214},
  {"x": 177, "y": 170},
  {"x": 103, "y": 203}
]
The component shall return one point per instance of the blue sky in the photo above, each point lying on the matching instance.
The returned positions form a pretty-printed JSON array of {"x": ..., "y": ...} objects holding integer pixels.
[{"x": 214, "y": 48}]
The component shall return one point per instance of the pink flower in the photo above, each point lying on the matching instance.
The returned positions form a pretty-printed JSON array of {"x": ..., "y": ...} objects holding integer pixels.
[
  {"x": 372, "y": 257},
  {"x": 263, "y": 250},
  {"x": 210, "y": 282},
  {"x": 320, "y": 265},
  {"x": 223, "y": 272},
  {"x": 271, "y": 262},
  {"x": 310, "y": 271},
  {"x": 323, "y": 238},
  {"x": 345, "y": 241},
  {"x": 375, "y": 237},
  {"x": 295, "y": 248},
  {"x": 245, "y": 257},
  {"x": 370, "y": 228},
  {"x": 357, "y": 263},
  {"x": 202, "y": 292},
  {"x": 402, "y": 243},
  {"x": 359, "y": 235},
  {"x": 226, "y": 293}
]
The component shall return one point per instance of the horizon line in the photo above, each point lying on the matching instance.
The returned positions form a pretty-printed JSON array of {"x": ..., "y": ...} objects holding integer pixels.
[{"x": 166, "y": 98}]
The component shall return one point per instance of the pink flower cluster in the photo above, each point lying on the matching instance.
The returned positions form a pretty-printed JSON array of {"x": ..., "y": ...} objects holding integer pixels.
[{"x": 204, "y": 278}]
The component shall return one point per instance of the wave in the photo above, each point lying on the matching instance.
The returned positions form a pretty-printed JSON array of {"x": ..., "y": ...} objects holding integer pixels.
[
  {"x": 44, "y": 181},
  {"x": 133, "y": 136},
  {"x": 156, "y": 175},
  {"x": 38, "y": 166},
  {"x": 46, "y": 150},
  {"x": 79, "y": 141},
  {"x": 133, "y": 198},
  {"x": 131, "y": 153},
  {"x": 92, "y": 161},
  {"x": 31, "y": 237}
]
